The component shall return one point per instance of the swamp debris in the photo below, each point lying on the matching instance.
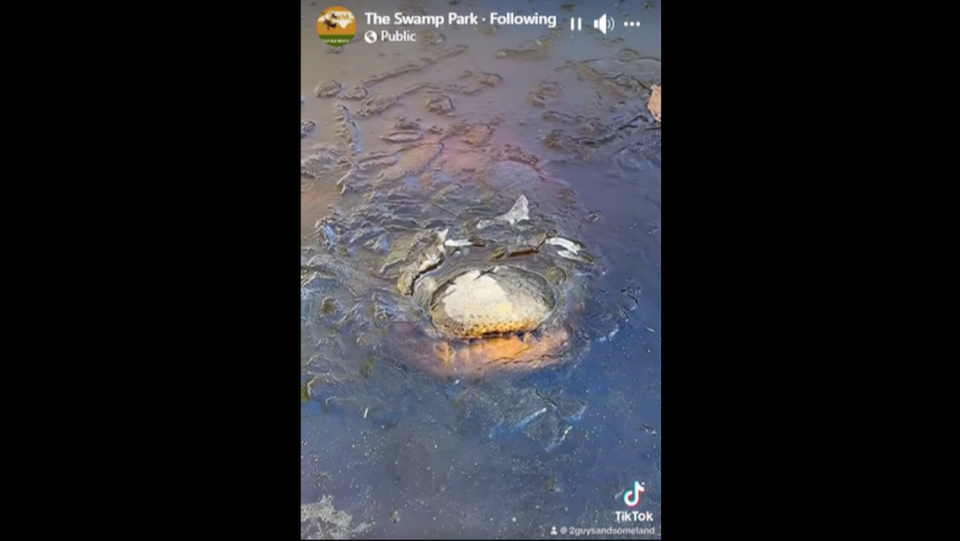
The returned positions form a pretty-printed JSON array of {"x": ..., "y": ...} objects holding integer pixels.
[{"x": 654, "y": 104}]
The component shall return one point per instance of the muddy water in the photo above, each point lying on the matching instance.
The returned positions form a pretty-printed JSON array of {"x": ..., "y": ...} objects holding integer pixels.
[{"x": 396, "y": 143}]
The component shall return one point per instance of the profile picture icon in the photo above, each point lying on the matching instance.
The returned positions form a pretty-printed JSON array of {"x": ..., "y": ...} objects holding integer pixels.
[{"x": 336, "y": 26}]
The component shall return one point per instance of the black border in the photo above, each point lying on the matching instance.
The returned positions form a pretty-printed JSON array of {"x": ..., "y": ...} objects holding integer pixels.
[
  {"x": 754, "y": 109},
  {"x": 218, "y": 145}
]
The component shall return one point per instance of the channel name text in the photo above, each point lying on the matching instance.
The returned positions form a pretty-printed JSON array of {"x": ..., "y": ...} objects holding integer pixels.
[{"x": 437, "y": 21}]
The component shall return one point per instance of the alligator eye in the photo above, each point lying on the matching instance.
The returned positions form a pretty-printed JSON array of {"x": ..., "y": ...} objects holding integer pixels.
[{"x": 498, "y": 253}]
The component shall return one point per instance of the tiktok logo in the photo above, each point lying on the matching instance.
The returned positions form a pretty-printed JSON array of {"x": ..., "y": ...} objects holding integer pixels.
[{"x": 632, "y": 497}]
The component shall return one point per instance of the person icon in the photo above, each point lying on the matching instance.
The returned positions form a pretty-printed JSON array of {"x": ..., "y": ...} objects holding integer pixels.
[{"x": 553, "y": 531}]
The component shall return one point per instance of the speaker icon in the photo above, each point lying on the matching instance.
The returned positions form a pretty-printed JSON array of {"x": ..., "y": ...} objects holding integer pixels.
[{"x": 604, "y": 24}]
